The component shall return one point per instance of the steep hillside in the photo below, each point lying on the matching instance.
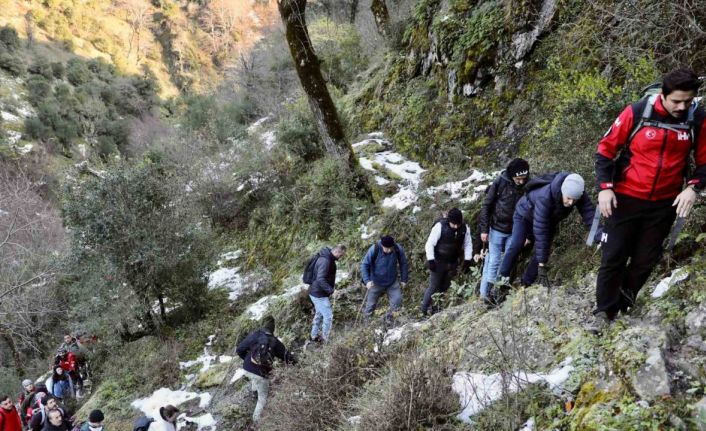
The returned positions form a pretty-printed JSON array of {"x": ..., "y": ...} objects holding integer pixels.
[
  {"x": 201, "y": 227},
  {"x": 185, "y": 45}
]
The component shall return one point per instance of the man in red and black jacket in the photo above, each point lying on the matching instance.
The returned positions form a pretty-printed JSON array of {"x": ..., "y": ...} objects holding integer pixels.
[{"x": 640, "y": 169}]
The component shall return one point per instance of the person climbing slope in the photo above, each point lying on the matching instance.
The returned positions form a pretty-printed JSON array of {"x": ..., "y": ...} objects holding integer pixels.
[{"x": 641, "y": 164}]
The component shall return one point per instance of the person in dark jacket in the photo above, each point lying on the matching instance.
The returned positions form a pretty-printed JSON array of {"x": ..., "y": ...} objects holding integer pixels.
[
  {"x": 322, "y": 288},
  {"x": 449, "y": 242},
  {"x": 28, "y": 391},
  {"x": 258, "y": 373},
  {"x": 538, "y": 213},
  {"x": 496, "y": 218},
  {"x": 94, "y": 422},
  {"x": 9, "y": 417},
  {"x": 46, "y": 404},
  {"x": 384, "y": 270},
  {"x": 641, "y": 167},
  {"x": 56, "y": 421}
]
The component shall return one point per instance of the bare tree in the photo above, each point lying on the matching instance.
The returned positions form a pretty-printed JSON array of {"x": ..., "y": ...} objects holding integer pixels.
[
  {"x": 31, "y": 242},
  {"x": 137, "y": 14},
  {"x": 307, "y": 65}
]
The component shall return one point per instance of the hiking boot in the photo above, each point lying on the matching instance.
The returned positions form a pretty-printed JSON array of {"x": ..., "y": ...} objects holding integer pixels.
[{"x": 599, "y": 324}]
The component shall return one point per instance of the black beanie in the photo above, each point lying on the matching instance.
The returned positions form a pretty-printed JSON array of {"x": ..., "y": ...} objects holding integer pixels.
[
  {"x": 96, "y": 416},
  {"x": 269, "y": 323},
  {"x": 455, "y": 216},
  {"x": 387, "y": 241},
  {"x": 518, "y": 168}
]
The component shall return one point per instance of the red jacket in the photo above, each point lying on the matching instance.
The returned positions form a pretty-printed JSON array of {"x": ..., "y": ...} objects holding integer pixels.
[
  {"x": 658, "y": 157},
  {"x": 10, "y": 420},
  {"x": 69, "y": 362}
]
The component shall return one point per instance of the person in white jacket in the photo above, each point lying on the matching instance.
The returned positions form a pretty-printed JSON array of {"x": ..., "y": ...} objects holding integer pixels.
[
  {"x": 167, "y": 419},
  {"x": 449, "y": 242}
]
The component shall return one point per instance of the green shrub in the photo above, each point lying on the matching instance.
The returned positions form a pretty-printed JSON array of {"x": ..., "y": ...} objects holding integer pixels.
[
  {"x": 338, "y": 46},
  {"x": 12, "y": 63},
  {"x": 138, "y": 219},
  {"x": 9, "y": 38},
  {"x": 77, "y": 72},
  {"x": 42, "y": 67},
  {"x": 58, "y": 70},
  {"x": 39, "y": 89},
  {"x": 297, "y": 133}
]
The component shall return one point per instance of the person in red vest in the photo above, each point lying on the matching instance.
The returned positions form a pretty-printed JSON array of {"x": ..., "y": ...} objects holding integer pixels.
[
  {"x": 641, "y": 171},
  {"x": 9, "y": 418}
]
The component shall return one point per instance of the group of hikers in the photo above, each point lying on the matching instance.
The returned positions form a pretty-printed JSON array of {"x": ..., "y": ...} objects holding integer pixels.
[
  {"x": 41, "y": 406},
  {"x": 644, "y": 179}
]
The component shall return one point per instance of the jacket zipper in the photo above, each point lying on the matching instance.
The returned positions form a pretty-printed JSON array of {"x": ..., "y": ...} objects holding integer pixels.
[{"x": 659, "y": 163}]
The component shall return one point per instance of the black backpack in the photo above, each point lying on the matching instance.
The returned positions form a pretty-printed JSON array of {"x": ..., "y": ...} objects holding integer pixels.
[
  {"x": 540, "y": 181},
  {"x": 142, "y": 424},
  {"x": 310, "y": 270},
  {"x": 261, "y": 354}
]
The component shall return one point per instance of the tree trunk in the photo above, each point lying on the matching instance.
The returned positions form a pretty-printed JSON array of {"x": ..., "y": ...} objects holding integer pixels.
[
  {"x": 382, "y": 16},
  {"x": 309, "y": 72},
  {"x": 15, "y": 353},
  {"x": 354, "y": 11}
]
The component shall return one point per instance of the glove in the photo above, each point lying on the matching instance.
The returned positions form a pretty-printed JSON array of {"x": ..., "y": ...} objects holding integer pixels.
[
  {"x": 432, "y": 265},
  {"x": 466, "y": 268},
  {"x": 542, "y": 276}
]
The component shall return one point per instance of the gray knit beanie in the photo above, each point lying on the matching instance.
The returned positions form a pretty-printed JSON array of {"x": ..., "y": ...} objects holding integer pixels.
[{"x": 573, "y": 186}]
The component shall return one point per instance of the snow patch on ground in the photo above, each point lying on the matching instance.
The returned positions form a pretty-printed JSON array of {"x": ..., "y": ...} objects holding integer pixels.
[
  {"x": 163, "y": 396},
  {"x": 13, "y": 137},
  {"x": 477, "y": 391},
  {"x": 9, "y": 117},
  {"x": 229, "y": 279},
  {"x": 676, "y": 277},
  {"x": 396, "y": 334},
  {"x": 229, "y": 257},
  {"x": 456, "y": 189},
  {"x": 366, "y": 232},
  {"x": 390, "y": 166},
  {"x": 206, "y": 360}
]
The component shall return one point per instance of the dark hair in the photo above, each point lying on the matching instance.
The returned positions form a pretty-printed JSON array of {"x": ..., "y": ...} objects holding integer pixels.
[
  {"x": 3, "y": 397},
  {"x": 683, "y": 79}
]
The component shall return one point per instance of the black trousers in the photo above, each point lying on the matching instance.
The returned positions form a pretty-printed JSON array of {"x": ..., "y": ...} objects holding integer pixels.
[
  {"x": 439, "y": 281},
  {"x": 632, "y": 246}
]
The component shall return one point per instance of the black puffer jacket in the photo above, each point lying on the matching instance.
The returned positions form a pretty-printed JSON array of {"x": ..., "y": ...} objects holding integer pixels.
[
  {"x": 499, "y": 204},
  {"x": 324, "y": 274}
]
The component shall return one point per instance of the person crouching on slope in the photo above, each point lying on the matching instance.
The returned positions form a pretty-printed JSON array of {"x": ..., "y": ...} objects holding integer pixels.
[{"x": 550, "y": 199}]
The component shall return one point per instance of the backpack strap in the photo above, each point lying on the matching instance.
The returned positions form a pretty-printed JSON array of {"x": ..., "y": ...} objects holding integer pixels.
[{"x": 646, "y": 121}]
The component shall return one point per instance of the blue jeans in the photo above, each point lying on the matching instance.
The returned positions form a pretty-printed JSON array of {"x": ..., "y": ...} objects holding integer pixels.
[
  {"x": 521, "y": 230},
  {"x": 496, "y": 247},
  {"x": 324, "y": 313},
  {"x": 394, "y": 294}
]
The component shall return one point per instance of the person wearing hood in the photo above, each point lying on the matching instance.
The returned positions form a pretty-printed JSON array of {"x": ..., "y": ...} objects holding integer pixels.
[
  {"x": 167, "y": 419},
  {"x": 496, "y": 215},
  {"x": 258, "y": 351},
  {"x": 448, "y": 243},
  {"x": 537, "y": 214},
  {"x": 9, "y": 417},
  {"x": 322, "y": 288}
]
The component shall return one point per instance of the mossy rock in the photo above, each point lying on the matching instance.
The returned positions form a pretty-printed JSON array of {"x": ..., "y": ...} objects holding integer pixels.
[{"x": 212, "y": 377}]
